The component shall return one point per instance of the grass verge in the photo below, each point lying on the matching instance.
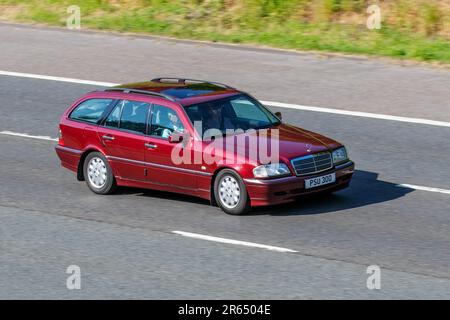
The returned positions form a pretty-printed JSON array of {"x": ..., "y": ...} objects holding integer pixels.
[{"x": 413, "y": 29}]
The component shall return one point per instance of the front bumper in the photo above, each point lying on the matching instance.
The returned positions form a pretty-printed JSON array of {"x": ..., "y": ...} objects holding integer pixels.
[{"x": 287, "y": 189}]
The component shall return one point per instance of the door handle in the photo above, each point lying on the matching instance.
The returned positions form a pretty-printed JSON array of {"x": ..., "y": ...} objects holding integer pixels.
[
  {"x": 151, "y": 146},
  {"x": 107, "y": 137}
]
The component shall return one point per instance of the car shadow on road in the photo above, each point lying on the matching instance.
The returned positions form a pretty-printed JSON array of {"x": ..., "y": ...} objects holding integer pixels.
[{"x": 365, "y": 189}]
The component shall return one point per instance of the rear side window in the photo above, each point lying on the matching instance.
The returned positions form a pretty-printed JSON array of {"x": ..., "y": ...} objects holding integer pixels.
[
  {"x": 90, "y": 110},
  {"x": 133, "y": 116}
]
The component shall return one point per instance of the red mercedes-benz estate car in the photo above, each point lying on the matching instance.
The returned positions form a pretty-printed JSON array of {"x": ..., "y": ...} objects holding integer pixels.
[{"x": 200, "y": 138}]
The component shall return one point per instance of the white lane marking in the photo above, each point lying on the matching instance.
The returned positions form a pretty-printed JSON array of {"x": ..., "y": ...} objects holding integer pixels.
[
  {"x": 421, "y": 188},
  {"x": 358, "y": 114},
  {"x": 51, "y": 78},
  {"x": 26, "y": 135},
  {"x": 268, "y": 103},
  {"x": 231, "y": 241}
]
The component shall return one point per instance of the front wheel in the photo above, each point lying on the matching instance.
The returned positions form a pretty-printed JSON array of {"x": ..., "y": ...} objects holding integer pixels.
[
  {"x": 98, "y": 174},
  {"x": 230, "y": 193}
]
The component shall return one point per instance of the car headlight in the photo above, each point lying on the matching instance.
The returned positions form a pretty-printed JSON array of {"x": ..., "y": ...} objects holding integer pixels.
[
  {"x": 340, "y": 155},
  {"x": 271, "y": 170}
]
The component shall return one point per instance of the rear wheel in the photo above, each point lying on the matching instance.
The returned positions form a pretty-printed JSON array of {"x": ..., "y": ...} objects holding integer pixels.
[
  {"x": 98, "y": 174},
  {"x": 230, "y": 193}
]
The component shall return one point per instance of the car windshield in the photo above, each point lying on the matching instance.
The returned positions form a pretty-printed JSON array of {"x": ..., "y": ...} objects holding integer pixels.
[{"x": 232, "y": 113}]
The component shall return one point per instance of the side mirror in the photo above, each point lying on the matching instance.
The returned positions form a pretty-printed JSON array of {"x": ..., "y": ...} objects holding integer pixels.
[
  {"x": 176, "y": 137},
  {"x": 278, "y": 115}
]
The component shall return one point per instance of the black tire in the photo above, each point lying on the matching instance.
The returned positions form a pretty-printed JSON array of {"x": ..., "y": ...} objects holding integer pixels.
[
  {"x": 109, "y": 186},
  {"x": 243, "y": 203}
]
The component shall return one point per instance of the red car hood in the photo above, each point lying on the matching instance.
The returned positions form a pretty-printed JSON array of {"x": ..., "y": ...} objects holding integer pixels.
[
  {"x": 297, "y": 142},
  {"x": 293, "y": 142}
]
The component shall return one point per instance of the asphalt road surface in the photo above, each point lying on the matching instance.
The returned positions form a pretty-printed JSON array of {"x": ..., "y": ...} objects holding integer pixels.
[{"x": 124, "y": 244}]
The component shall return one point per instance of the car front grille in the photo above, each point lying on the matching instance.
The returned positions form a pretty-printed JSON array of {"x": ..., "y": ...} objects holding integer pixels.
[{"x": 312, "y": 163}]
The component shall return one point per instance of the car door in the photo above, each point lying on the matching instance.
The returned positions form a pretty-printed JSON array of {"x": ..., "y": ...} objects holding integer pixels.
[
  {"x": 163, "y": 169},
  {"x": 123, "y": 135}
]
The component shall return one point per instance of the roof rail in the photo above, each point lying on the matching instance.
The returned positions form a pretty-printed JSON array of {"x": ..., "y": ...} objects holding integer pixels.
[
  {"x": 183, "y": 80},
  {"x": 147, "y": 92}
]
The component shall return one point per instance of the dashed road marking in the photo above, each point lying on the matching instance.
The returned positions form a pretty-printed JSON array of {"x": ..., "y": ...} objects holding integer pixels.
[
  {"x": 421, "y": 188},
  {"x": 26, "y": 135},
  {"x": 231, "y": 241},
  {"x": 357, "y": 114},
  {"x": 52, "y": 78}
]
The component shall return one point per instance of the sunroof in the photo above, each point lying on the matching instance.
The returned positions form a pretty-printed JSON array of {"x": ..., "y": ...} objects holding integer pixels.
[
  {"x": 192, "y": 90},
  {"x": 182, "y": 93}
]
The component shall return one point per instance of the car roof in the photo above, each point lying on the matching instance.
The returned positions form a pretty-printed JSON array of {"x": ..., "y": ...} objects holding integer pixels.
[{"x": 183, "y": 91}]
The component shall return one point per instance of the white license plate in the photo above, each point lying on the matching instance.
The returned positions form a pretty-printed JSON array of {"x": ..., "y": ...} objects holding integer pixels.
[{"x": 320, "y": 181}]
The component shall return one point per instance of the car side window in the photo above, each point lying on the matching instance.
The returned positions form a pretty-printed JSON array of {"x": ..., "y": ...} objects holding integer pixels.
[
  {"x": 165, "y": 121},
  {"x": 90, "y": 110},
  {"x": 133, "y": 116}
]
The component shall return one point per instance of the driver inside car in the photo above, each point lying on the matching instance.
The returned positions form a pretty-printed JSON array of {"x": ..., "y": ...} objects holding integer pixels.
[
  {"x": 215, "y": 118},
  {"x": 174, "y": 125}
]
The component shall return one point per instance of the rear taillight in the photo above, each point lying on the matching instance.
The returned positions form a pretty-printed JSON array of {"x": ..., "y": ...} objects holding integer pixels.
[{"x": 61, "y": 141}]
